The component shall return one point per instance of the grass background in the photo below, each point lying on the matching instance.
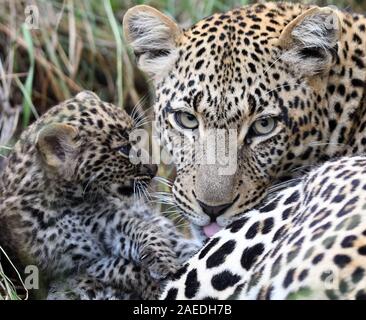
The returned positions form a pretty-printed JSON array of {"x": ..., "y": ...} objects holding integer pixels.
[{"x": 75, "y": 45}]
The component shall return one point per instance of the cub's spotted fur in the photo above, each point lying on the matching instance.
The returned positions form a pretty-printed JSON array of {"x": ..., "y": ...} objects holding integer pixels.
[{"x": 66, "y": 205}]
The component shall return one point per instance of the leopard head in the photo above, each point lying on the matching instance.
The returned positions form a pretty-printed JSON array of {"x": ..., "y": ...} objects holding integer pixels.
[
  {"x": 78, "y": 149},
  {"x": 247, "y": 88}
]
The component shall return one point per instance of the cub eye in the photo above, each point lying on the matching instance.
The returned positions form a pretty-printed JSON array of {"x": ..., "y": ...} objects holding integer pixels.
[
  {"x": 186, "y": 120},
  {"x": 125, "y": 150},
  {"x": 264, "y": 126}
]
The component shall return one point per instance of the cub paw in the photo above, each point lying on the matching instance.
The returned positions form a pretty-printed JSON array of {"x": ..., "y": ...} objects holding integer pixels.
[
  {"x": 160, "y": 260},
  {"x": 152, "y": 292}
]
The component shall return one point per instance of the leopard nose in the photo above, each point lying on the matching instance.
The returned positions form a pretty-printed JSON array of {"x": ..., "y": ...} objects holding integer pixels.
[
  {"x": 214, "y": 211},
  {"x": 149, "y": 170}
]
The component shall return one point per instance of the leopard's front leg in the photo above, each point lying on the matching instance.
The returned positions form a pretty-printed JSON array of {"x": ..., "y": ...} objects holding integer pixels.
[
  {"x": 110, "y": 278},
  {"x": 140, "y": 241},
  {"x": 151, "y": 247},
  {"x": 183, "y": 247},
  {"x": 126, "y": 275}
]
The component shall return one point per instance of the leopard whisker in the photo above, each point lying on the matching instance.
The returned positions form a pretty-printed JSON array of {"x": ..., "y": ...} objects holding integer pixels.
[
  {"x": 142, "y": 123},
  {"x": 320, "y": 143},
  {"x": 269, "y": 67},
  {"x": 160, "y": 201},
  {"x": 138, "y": 192},
  {"x": 137, "y": 109},
  {"x": 181, "y": 225},
  {"x": 282, "y": 86},
  {"x": 134, "y": 191},
  {"x": 166, "y": 200},
  {"x": 306, "y": 168},
  {"x": 170, "y": 212},
  {"x": 164, "y": 181},
  {"x": 282, "y": 185},
  {"x": 90, "y": 181},
  {"x": 141, "y": 193},
  {"x": 144, "y": 188}
]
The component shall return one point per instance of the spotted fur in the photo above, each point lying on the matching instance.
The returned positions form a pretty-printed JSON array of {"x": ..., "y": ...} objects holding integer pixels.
[
  {"x": 303, "y": 66},
  {"x": 67, "y": 205},
  {"x": 307, "y": 242}
]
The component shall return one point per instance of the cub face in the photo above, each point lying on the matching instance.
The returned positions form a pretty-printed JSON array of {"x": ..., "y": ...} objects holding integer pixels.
[{"x": 85, "y": 142}]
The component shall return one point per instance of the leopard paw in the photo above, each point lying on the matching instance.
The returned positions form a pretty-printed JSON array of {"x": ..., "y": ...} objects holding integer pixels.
[{"x": 160, "y": 260}]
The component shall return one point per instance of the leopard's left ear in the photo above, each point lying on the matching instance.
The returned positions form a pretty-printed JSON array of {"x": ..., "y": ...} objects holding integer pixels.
[
  {"x": 153, "y": 37},
  {"x": 310, "y": 40},
  {"x": 58, "y": 148}
]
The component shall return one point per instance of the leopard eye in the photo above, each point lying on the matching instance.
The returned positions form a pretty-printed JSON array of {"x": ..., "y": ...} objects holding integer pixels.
[
  {"x": 186, "y": 120},
  {"x": 125, "y": 150},
  {"x": 264, "y": 126}
]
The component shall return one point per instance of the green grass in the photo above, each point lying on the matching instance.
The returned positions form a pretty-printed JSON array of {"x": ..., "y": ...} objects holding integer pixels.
[
  {"x": 79, "y": 46},
  {"x": 117, "y": 33},
  {"x": 26, "y": 89}
]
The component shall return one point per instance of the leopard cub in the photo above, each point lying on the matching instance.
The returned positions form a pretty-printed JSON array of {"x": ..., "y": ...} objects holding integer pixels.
[{"x": 67, "y": 205}]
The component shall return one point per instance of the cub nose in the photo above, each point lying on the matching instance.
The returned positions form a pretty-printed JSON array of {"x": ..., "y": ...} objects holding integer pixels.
[
  {"x": 214, "y": 211},
  {"x": 149, "y": 170}
]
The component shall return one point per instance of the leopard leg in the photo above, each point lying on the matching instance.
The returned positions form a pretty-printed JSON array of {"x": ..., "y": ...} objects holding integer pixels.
[
  {"x": 82, "y": 287},
  {"x": 183, "y": 247},
  {"x": 141, "y": 242},
  {"x": 125, "y": 275}
]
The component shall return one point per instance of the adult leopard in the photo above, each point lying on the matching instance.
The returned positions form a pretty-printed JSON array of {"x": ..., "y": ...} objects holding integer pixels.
[
  {"x": 289, "y": 79},
  {"x": 307, "y": 242}
]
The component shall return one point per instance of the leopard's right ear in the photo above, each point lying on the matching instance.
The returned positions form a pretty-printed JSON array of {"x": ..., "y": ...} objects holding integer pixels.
[
  {"x": 153, "y": 37},
  {"x": 310, "y": 40}
]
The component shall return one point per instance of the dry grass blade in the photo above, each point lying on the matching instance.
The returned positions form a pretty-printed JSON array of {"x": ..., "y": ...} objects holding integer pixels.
[
  {"x": 40, "y": 59},
  {"x": 8, "y": 116},
  {"x": 9, "y": 291}
]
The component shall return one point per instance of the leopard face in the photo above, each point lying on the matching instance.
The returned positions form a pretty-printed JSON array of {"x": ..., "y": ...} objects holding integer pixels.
[
  {"x": 83, "y": 146},
  {"x": 267, "y": 76}
]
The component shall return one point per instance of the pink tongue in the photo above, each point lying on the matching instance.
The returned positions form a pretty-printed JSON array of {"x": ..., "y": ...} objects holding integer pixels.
[{"x": 211, "y": 229}]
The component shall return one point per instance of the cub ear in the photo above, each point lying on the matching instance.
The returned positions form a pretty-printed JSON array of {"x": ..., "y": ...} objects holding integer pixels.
[
  {"x": 310, "y": 40},
  {"x": 58, "y": 149},
  {"x": 153, "y": 37},
  {"x": 86, "y": 95}
]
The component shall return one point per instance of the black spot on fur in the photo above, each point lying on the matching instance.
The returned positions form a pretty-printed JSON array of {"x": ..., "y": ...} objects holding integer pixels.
[
  {"x": 208, "y": 247},
  {"x": 362, "y": 250},
  {"x": 237, "y": 225},
  {"x": 267, "y": 225},
  {"x": 250, "y": 255},
  {"x": 292, "y": 198},
  {"x": 224, "y": 280},
  {"x": 191, "y": 285},
  {"x": 269, "y": 207},
  {"x": 347, "y": 242},
  {"x": 219, "y": 256},
  {"x": 341, "y": 260},
  {"x": 172, "y": 294},
  {"x": 289, "y": 278},
  {"x": 252, "y": 231},
  {"x": 180, "y": 272}
]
